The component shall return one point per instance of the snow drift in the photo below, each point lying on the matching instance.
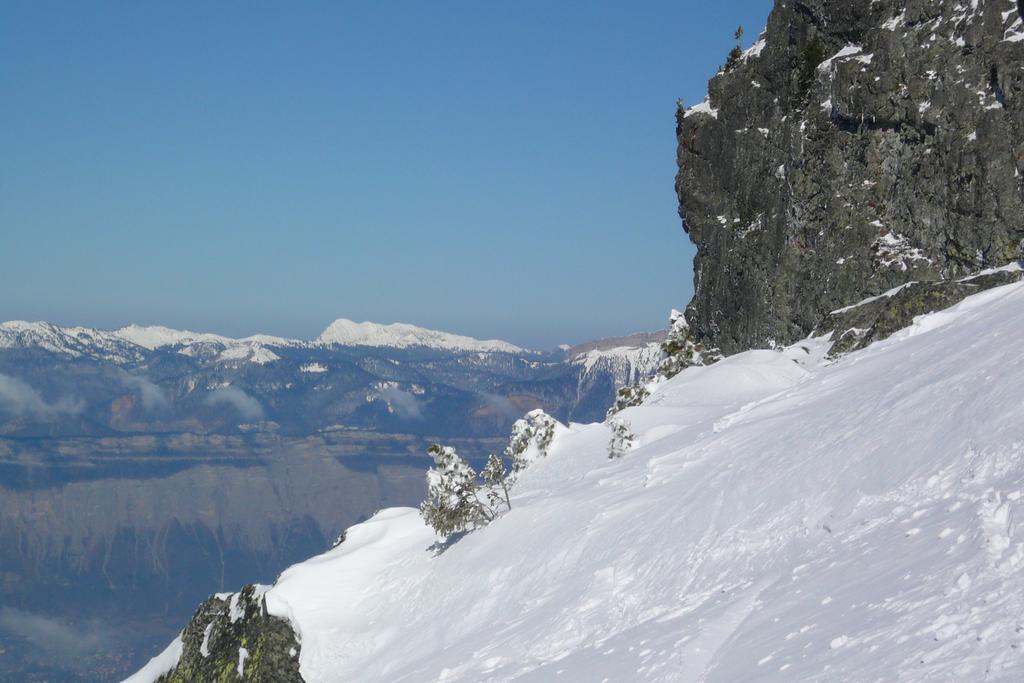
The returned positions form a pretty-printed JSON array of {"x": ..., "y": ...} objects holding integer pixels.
[{"x": 780, "y": 517}]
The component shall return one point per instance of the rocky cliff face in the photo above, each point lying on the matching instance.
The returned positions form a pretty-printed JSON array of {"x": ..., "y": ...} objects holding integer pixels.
[{"x": 859, "y": 145}]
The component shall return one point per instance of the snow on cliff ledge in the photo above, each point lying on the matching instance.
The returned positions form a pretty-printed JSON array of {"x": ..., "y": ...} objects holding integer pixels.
[
  {"x": 402, "y": 335},
  {"x": 779, "y": 519}
]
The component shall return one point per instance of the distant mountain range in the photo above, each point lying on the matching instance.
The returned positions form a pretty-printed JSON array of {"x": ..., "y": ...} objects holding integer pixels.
[
  {"x": 77, "y": 341},
  {"x": 397, "y": 378}
]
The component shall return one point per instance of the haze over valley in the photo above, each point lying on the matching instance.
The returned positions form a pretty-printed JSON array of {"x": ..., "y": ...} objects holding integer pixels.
[{"x": 145, "y": 468}]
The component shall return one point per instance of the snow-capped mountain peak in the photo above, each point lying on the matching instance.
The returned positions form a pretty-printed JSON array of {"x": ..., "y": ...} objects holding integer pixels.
[
  {"x": 72, "y": 341},
  {"x": 344, "y": 332},
  {"x": 249, "y": 353},
  {"x": 134, "y": 339},
  {"x": 156, "y": 336}
]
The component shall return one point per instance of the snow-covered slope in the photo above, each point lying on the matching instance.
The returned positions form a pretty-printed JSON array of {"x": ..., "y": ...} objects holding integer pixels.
[
  {"x": 402, "y": 335},
  {"x": 780, "y": 518}
]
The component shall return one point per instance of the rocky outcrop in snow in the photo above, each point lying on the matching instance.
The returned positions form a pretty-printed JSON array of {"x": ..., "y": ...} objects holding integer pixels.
[
  {"x": 861, "y": 146},
  {"x": 858, "y": 325},
  {"x": 230, "y": 638}
]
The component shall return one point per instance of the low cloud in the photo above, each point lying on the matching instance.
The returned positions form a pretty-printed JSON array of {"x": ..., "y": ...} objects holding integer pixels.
[
  {"x": 245, "y": 405},
  {"x": 19, "y": 399},
  {"x": 153, "y": 397},
  {"x": 502, "y": 406},
  {"x": 54, "y": 638},
  {"x": 403, "y": 403}
]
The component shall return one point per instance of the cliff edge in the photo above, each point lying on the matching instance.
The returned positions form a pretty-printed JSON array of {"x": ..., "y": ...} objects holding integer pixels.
[{"x": 856, "y": 147}]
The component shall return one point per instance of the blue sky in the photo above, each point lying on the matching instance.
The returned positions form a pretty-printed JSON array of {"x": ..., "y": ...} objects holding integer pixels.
[{"x": 494, "y": 169}]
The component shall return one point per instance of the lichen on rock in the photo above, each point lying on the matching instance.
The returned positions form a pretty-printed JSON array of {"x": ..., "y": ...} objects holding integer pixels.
[{"x": 231, "y": 637}]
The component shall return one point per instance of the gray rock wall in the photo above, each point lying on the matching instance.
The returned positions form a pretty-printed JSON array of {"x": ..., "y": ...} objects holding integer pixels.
[{"x": 811, "y": 181}]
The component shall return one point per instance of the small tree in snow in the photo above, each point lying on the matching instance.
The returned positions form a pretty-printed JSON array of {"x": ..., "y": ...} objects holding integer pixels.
[
  {"x": 628, "y": 397},
  {"x": 680, "y": 350},
  {"x": 452, "y": 504},
  {"x": 531, "y": 437},
  {"x": 496, "y": 479},
  {"x": 456, "y": 499},
  {"x": 622, "y": 438}
]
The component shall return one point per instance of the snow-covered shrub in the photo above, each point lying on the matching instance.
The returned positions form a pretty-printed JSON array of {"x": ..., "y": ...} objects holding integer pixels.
[
  {"x": 496, "y": 481},
  {"x": 628, "y": 397},
  {"x": 452, "y": 504},
  {"x": 460, "y": 500},
  {"x": 456, "y": 499},
  {"x": 622, "y": 438},
  {"x": 680, "y": 351},
  {"x": 531, "y": 436}
]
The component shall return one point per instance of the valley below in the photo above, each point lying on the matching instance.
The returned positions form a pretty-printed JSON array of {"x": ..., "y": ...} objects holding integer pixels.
[
  {"x": 107, "y": 544},
  {"x": 144, "y": 469}
]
